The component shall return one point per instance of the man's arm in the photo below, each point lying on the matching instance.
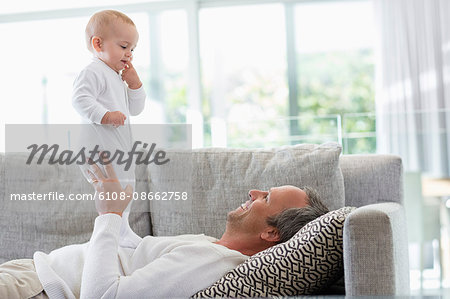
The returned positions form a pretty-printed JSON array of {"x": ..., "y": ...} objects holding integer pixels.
[{"x": 101, "y": 270}]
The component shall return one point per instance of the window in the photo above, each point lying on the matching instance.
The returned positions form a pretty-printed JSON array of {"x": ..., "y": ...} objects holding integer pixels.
[
  {"x": 165, "y": 58},
  {"x": 243, "y": 58},
  {"x": 41, "y": 66},
  {"x": 335, "y": 69}
]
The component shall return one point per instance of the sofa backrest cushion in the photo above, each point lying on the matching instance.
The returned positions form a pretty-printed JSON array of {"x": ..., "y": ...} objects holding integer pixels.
[{"x": 219, "y": 181}]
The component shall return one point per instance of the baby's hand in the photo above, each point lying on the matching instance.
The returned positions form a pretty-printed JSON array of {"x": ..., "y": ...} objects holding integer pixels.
[
  {"x": 130, "y": 76},
  {"x": 115, "y": 118}
]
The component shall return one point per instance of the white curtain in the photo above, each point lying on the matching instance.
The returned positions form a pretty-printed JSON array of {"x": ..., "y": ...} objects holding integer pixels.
[{"x": 413, "y": 83}]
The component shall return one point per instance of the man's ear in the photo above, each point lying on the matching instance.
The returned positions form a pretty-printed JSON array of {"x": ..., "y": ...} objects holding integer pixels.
[
  {"x": 270, "y": 234},
  {"x": 96, "y": 43}
]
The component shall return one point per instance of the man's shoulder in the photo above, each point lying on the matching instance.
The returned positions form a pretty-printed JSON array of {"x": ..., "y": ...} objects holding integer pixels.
[
  {"x": 183, "y": 239},
  {"x": 206, "y": 243},
  {"x": 195, "y": 237}
]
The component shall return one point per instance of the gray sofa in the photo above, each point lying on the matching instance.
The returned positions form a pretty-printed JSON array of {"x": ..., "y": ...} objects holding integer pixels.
[{"x": 375, "y": 244}]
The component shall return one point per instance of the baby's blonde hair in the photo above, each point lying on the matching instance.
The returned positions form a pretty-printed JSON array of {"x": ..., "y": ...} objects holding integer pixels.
[{"x": 100, "y": 21}]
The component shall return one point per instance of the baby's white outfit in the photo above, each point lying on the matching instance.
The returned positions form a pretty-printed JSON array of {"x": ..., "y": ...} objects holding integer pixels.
[{"x": 97, "y": 90}]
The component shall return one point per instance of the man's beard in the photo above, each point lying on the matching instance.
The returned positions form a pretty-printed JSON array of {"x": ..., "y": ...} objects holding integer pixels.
[
  {"x": 234, "y": 219},
  {"x": 242, "y": 223}
]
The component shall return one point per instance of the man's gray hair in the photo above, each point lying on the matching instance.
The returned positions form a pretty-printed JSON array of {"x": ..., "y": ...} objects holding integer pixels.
[{"x": 290, "y": 221}]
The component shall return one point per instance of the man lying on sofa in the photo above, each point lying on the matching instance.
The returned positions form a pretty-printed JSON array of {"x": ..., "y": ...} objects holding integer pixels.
[{"x": 161, "y": 267}]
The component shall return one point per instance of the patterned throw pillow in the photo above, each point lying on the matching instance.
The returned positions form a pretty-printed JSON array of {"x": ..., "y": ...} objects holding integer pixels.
[{"x": 308, "y": 262}]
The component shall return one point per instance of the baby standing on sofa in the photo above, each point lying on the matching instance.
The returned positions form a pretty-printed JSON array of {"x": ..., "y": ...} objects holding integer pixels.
[{"x": 108, "y": 91}]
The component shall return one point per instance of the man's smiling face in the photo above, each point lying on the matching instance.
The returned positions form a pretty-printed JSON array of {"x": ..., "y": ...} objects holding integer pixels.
[{"x": 251, "y": 216}]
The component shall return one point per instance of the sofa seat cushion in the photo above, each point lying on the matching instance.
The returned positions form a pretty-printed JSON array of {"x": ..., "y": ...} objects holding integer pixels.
[
  {"x": 307, "y": 263},
  {"x": 218, "y": 181}
]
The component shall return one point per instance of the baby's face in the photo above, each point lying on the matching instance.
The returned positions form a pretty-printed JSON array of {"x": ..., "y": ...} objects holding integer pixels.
[{"x": 117, "y": 48}]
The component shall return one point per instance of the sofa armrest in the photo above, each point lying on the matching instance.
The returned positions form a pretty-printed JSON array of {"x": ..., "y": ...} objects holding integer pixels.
[{"x": 376, "y": 251}]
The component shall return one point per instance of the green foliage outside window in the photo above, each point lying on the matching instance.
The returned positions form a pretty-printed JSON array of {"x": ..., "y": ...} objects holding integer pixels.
[
  {"x": 335, "y": 89},
  {"x": 339, "y": 83}
]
